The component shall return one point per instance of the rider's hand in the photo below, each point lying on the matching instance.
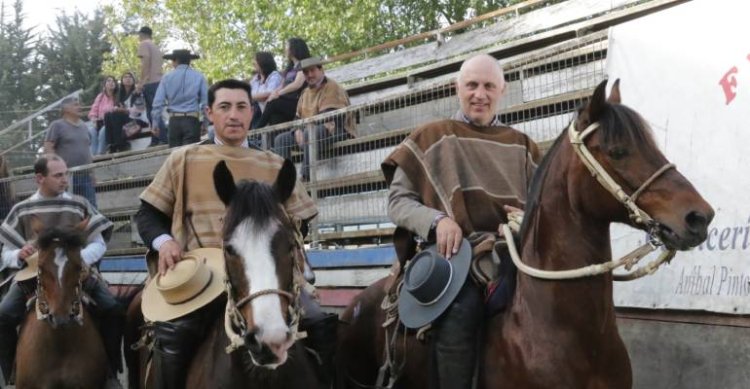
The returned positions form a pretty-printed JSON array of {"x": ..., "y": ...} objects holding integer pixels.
[
  {"x": 169, "y": 255},
  {"x": 449, "y": 236},
  {"x": 26, "y": 251}
]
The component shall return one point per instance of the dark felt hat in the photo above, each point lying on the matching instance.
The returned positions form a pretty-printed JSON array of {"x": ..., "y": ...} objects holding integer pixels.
[
  {"x": 145, "y": 30},
  {"x": 431, "y": 283},
  {"x": 181, "y": 54}
]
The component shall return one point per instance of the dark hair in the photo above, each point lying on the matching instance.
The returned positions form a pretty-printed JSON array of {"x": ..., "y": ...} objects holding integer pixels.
[
  {"x": 40, "y": 165},
  {"x": 122, "y": 93},
  {"x": 266, "y": 63},
  {"x": 104, "y": 85},
  {"x": 228, "y": 84},
  {"x": 145, "y": 30},
  {"x": 298, "y": 49}
]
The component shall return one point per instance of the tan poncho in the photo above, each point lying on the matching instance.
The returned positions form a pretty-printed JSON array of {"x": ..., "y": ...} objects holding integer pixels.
[
  {"x": 184, "y": 190},
  {"x": 467, "y": 172}
]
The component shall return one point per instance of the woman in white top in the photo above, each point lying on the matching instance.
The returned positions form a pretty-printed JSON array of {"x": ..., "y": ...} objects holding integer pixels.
[{"x": 266, "y": 80}]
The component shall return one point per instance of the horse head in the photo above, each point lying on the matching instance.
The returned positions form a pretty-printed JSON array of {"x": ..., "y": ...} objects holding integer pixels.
[
  {"x": 260, "y": 252},
  {"x": 664, "y": 202},
  {"x": 60, "y": 274}
]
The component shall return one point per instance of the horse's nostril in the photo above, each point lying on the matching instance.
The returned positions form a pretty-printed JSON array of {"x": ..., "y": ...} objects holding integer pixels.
[{"x": 696, "y": 222}]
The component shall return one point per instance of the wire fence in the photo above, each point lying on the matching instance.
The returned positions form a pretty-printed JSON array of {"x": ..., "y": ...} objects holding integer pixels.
[{"x": 342, "y": 172}]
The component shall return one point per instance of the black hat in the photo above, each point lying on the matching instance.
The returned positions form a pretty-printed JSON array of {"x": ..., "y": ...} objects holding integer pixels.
[
  {"x": 431, "y": 283},
  {"x": 146, "y": 30},
  {"x": 181, "y": 54}
]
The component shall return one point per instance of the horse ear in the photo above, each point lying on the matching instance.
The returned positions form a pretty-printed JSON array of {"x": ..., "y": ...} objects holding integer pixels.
[
  {"x": 285, "y": 181},
  {"x": 224, "y": 182},
  {"x": 614, "y": 94},
  {"x": 595, "y": 106}
]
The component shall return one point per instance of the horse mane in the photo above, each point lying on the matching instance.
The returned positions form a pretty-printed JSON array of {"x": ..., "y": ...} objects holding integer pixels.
[
  {"x": 617, "y": 123},
  {"x": 254, "y": 200},
  {"x": 68, "y": 238}
]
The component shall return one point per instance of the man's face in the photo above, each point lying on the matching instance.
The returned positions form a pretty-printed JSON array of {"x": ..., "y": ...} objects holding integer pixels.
[
  {"x": 72, "y": 108},
  {"x": 231, "y": 113},
  {"x": 313, "y": 75},
  {"x": 56, "y": 180},
  {"x": 480, "y": 89}
]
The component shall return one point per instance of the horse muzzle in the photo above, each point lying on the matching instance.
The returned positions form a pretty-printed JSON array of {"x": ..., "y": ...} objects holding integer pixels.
[
  {"x": 267, "y": 355},
  {"x": 689, "y": 232}
]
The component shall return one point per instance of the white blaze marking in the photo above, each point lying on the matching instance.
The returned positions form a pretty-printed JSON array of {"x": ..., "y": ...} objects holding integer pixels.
[
  {"x": 60, "y": 260},
  {"x": 260, "y": 270}
]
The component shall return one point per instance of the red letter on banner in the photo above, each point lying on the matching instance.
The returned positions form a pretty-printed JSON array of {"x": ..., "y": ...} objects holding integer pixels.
[{"x": 729, "y": 84}]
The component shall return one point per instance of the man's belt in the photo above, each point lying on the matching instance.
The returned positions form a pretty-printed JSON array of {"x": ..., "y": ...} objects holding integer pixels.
[{"x": 184, "y": 114}]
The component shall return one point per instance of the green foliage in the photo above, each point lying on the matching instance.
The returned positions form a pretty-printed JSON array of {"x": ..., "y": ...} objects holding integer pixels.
[
  {"x": 228, "y": 32},
  {"x": 17, "y": 79}
]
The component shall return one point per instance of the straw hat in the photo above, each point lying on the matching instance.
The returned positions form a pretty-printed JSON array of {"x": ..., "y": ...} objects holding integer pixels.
[
  {"x": 431, "y": 283},
  {"x": 29, "y": 272},
  {"x": 195, "y": 281}
]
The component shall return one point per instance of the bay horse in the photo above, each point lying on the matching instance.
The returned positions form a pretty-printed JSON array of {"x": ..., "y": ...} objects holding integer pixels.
[
  {"x": 556, "y": 333},
  {"x": 263, "y": 275},
  {"x": 59, "y": 345}
]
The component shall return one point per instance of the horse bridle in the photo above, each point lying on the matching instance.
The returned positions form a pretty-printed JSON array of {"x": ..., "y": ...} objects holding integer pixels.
[
  {"x": 235, "y": 324},
  {"x": 42, "y": 306},
  {"x": 635, "y": 213}
]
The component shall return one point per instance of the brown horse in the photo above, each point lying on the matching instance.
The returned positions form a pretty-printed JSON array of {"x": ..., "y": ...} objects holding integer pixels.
[
  {"x": 260, "y": 251},
  {"x": 59, "y": 345},
  {"x": 557, "y": 334}
]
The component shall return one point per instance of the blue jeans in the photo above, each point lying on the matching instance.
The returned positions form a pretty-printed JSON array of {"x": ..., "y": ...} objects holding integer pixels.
[
  {"x": 284, "y": 143},
  {"x": 83, "y": 185},
  {"x": 98, "y": 140}
]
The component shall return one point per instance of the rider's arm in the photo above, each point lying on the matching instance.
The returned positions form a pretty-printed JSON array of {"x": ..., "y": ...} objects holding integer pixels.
[
  {"x": 10, "y": 257},
  {"x": 153, "y": 225},
  {"x": 94, "y": 250},
  {"x": 405, "y": 206}
]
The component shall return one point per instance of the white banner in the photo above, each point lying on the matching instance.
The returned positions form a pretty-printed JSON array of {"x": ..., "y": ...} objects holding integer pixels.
[{"x": 687, "y": 71}]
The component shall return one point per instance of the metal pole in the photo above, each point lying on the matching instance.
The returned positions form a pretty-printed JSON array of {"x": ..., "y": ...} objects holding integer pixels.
[
  {"x": 313, "y": 159},
  {"x": 30, "y": 130}
]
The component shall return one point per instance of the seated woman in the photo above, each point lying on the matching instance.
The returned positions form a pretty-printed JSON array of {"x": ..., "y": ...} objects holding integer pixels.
[
  {"x": 103, "y": 104},
  {"x": 266, "y": 80},
  {"x": 129, "y": 112},
  {"x": 281, "y": 104}
]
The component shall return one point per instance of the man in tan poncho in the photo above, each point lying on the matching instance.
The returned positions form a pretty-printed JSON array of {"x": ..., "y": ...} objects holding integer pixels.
[
  {"x": 452, "y": 178},
  {"x": 180, "y": 211}
]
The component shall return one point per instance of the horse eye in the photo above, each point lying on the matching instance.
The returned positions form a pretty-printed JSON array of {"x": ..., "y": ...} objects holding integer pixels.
[
  {"x": 230, "y": 250},
  {"x": 618, "y": 153}
]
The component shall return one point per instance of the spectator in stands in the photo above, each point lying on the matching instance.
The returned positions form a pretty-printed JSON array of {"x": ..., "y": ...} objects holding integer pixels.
[
  {"x": 450, "y": 179},
  {"x": 281, "y": 104},
  {"x": 175, "y": 200},
  {"x": 322, "y": 94},
  {"x": 69, "y": 138},
  {"x": 184, "y": 94},
  {"x": 266, "y": 80},
  {"x": 151, "y": 73},
  {"x": 130, "y": 111},
  {"x": 104, "y": 102},
  {"x": 52, "y": 206}
]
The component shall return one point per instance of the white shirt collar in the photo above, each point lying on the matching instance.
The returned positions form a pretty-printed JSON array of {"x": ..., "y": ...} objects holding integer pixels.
[
  {"x": 218, "y": 141},
  {"x": 38, "y": 196}
]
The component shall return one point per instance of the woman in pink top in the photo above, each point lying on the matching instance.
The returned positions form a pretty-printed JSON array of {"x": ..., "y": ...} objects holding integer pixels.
[{"x": 104, "y": 102}]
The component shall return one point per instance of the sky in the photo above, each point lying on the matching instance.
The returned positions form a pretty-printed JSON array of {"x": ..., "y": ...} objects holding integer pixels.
[{"x": 42, "y": 13}]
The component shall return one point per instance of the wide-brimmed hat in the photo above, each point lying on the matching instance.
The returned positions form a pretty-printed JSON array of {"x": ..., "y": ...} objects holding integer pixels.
[
  {"x": 431, "y": 283},
  {"x": 181, "y": 54},
  {"x": 31, "y": 269},
  {"x": 194, "y": 281},
  {"x": 310, "y": 62}
]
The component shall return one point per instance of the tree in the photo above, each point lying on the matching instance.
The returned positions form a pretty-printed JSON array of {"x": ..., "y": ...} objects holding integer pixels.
[
  {"x": 71, "y": 56},
  {"x": 228, "y": 32},
  {"x": 17, "y": 80}
]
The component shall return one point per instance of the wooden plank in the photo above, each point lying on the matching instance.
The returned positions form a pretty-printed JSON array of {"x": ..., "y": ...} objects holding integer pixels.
[
  {"x": 357, "y": 234},
  {"x": 357, "y": 208},
  {"x": 347, "y": 258},
  {"x": 349, "y": 277},
  {"x": 530, "y": 25},
  {"x": 125, "y": 278},
  {"x": 353, "y": 180},
  {"x": 434, "y": 33}
]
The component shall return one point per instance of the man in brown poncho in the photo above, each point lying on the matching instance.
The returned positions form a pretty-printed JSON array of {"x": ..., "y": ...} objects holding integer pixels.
[
  {"x": 180, "y": 211},
  {"x": 452, "y": 178}
]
